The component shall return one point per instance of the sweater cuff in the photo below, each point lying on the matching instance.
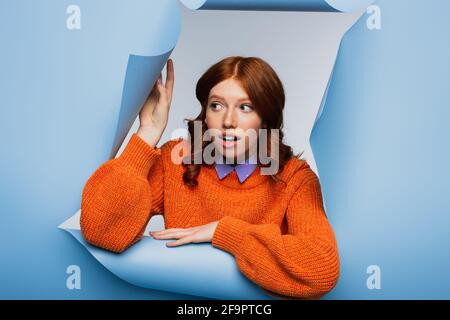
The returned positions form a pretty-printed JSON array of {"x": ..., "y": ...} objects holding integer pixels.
[
  {"x": 138, "y": 155},
  {"x": 230, "y": 233}
]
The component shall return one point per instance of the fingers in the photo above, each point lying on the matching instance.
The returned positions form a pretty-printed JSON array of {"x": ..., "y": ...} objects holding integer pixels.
[
  {"x": 184, "y": 235},
  {"x": 166, "y": 90},
  {"x": 172, "y": 234},
  {"x": 169, "y": 230},
  {"x": 155, "y": 86},
  {"x": 180, "y": 242},
  {"x": 170, "y": 78},
  {"x": 159, "y": 83},
  {"x": 161, "y": 88}
]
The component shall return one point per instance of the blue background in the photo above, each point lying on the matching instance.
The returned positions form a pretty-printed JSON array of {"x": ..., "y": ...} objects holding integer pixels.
[{"x": 380, "y": 143}]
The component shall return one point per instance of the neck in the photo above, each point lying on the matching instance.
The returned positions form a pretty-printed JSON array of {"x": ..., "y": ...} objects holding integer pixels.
[{"x": 247, "y": 159}]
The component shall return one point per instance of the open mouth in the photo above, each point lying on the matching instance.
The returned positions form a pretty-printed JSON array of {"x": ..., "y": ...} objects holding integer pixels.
[{"x": 229, "y": 140}]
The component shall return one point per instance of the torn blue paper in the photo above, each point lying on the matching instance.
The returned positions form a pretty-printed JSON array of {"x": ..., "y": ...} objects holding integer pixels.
[
  {"x": 381, "y": 145},
  {"x": 195, "y": 269},
  {"x": 279, "y": 5},
  {"x": 68, "y": 99}
]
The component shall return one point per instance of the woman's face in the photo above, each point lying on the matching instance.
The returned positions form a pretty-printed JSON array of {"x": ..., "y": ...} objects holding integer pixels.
[{"x": 235, "y": 122}]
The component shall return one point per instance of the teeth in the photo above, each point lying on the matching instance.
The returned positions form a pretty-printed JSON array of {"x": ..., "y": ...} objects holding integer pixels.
[{"x": 228, "y": 138}]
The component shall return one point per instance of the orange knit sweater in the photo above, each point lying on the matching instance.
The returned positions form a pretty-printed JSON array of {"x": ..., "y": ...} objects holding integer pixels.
[{"x": 280, "y": 237}]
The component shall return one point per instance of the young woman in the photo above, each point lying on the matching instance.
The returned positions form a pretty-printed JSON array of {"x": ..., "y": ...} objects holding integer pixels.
[{"x": 272, "y": 221}]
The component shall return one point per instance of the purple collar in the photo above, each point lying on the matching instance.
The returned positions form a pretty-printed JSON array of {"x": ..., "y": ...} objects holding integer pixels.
[{"x": 243, "y": 170}]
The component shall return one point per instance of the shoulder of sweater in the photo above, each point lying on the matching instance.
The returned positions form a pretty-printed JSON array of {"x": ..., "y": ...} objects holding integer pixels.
[
  {"x": 170, "y": 144},
  {"x": 297, "y": 171},
  {"x": 169, "y": 155}
]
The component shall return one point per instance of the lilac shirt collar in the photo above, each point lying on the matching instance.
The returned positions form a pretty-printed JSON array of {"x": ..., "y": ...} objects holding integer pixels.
[{"x": 243, "y": 170}]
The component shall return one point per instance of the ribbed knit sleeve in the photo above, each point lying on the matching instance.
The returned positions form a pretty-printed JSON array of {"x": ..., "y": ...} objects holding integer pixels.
[
  {"x": 303, "y": 263},
  {"x": 121, "y": 196}
]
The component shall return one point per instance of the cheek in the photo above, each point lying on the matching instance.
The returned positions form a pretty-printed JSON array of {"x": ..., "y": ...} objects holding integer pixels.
[
  {"x": 250, "y": 121},
  {"x": 251, "y": 124},
  {"x": 212, "y": 120}
]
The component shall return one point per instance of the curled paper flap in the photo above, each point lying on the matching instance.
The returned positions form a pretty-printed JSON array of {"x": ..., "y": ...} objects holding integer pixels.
[{"x": 195, "y": 269}]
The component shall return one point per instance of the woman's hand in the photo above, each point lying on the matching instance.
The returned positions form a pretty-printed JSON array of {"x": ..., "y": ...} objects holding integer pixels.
[
  {"x": 203, "y": 233},
  {"x": 155, "y": 111}
]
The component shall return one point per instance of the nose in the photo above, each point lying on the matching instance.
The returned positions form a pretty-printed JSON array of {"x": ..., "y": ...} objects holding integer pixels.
[{"x": 230, "y": 120}]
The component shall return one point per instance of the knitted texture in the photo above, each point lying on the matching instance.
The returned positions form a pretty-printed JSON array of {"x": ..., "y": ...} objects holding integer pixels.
[{"x": 280, "y": 237}]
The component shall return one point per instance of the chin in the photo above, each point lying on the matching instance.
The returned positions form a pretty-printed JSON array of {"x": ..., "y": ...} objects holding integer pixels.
[
  {"x": 234, "y": 158},
  {"x": 230, "y": 154}
]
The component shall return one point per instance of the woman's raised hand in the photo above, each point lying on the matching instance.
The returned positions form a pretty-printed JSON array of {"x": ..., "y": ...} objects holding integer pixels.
[{"x": 155, "y": 111}]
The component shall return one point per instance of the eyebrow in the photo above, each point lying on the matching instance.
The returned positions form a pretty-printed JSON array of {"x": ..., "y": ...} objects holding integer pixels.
[{"x": 219, "y": 97}]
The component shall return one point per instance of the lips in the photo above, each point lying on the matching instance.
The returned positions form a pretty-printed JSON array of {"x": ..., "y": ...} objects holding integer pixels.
[{"x": 229, "y": 140}]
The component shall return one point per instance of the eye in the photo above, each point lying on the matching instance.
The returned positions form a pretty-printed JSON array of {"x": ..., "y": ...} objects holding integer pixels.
[
  {"x": 215, "y": 106},
  {"x": 246, "y": 108}
]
